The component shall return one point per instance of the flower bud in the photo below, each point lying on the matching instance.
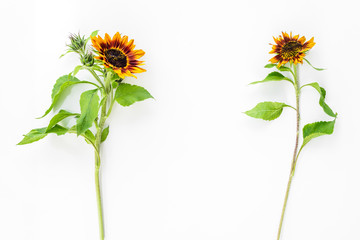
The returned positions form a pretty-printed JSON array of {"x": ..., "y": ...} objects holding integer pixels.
[
  {"x": 77, "y": 42},
  {"x": 87, "y": 59}
]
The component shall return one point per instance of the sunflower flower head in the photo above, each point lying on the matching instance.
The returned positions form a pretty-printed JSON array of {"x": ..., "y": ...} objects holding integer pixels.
[
  {"x": 78, "y": 42},
  {"x": 290, "y": 48},
  {"x": 118, "y": 53}
]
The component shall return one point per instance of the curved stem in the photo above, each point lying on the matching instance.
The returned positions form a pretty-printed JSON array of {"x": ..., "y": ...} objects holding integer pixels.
[
  {"x": 295, "y": 155},
  {"x": 111, "y": 106},
  {"x": 92, "y": 84},
  {"x": 95, "y": 76}
]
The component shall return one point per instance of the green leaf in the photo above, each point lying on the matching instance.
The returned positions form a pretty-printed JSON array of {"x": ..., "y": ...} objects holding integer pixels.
[
  {"x": 89, "y": 136},
  {"x": 59, "y": 117},
  {"x": 94, "y": 33},
  {"x": 68, "y": 51},
  {"x": 115, "y": 85},
  {"x": 270, "y": 65},
  {"x": 61, "y": 84},
  {"x": 39, "y": 133},
  {"x": 284, "y": 69},
  {"x": 316, "y": 129},
  {"x": 89, "y": 105},
  {"x": 77, "y": 69},
  {"x": 267, "y": 110},
  {"x": 274, "y": 76},
  {"x": 33, "y": 136},
  {"x": 104, "y": 134},
  {"x": 322, "y": 103},
  {"x": 96, "y": 68},
  {"x": 281, "y": 68},
  {"x": 318, "y": 69},
  {"x": 59, "y": 130},
  {"x": 127, "y": 94},
  {"x": 114, "y": 76}
]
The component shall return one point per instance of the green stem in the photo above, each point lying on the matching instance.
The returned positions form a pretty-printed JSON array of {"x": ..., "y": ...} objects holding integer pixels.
[
  {"x": 95, "y": 76},
  {"x": 99, "y": 129},
  {"x": 99, "y": 204},
  {"x": 111, "y": 106},
  {"x": 293, "y": 165},
  {"x": 97, "y": 170}
]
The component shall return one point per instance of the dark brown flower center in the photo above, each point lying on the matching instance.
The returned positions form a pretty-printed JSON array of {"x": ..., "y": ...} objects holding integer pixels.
[
  {"x": 290, "y": 49},
  {"x": 116, "y": 58}
]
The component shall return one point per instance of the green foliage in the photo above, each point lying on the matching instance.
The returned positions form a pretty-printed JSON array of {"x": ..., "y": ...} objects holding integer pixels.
[
  {"x": 267, "y": 110},
  {"x": 62, "y": 114},
  {"x": 322, "y": 103},
  {"x": 39, "y": 133},
  {"x": 89, "y": 105},
  {"x": 113, "y": 75},
  {"x": 94, "y": 33},
  {"x": 281, "y": 68},
  {"x": 61, "y": 84},
  {"x": 68, "y": 51},
  {"x": 104, "y": 134},
  {"x": 127, "y": 94},
  {"x": 89, "y": 137},
  {"x": 316, "y": 129},
  {"x": 270, "y": 65},
  {"x": 274, "y": 76},
  {"x": 77, "y": 69},
  {"x": 318, "y": 69},
  {"x": 59, "y": 130}
]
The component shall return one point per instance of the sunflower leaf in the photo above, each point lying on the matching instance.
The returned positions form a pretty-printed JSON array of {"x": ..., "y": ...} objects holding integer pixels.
[
  {"x": 68, "y": 51},
  {"x": 61, "y": 84},
  {"x": 104, "y": 134},
  {"x": 284, "y": 69},
  {"x": 89, "y": 137},
  {"x": 316, "y": 129},
  {"x": 318, "y": 69},
  {"x": 267, "y": 110},
  {"x": 33, "y": 136},
  {"x": 97, "y": 68},
  {"x": 127, "y": 94},
  {"x": 322, "y": 103},
  {"x": 89, "y": 105},
  {"x": 59, "y": 130},
  {"x": 94, "y": 33},
  {"x": 273, "y": 76},
  {"x": 39, "y": 133},
  {"x": 77, "y": 69},
  {"x": 270, "y": 65},
  {"x": 114, "y": 76},
  {"x": 62, "y": 114}
]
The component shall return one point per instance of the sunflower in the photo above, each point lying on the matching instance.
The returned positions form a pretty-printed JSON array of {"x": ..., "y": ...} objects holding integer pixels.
[
  {"x": 118, "y": 53},
  {"x": 290, "y": 49}
]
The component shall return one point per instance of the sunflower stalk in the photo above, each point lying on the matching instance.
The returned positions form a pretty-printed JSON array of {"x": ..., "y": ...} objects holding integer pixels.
[
  {"x": 99, "y": 130},
  {"x": 295, "y": 154}
]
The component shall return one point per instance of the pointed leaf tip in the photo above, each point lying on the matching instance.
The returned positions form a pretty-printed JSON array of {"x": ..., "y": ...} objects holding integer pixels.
[
  {"x": 127, "y": 94},
  {"x": 267, "y": 110}
]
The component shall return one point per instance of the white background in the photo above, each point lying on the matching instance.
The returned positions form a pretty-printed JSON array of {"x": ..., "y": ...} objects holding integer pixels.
[{"x": 188, "y": 165}]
